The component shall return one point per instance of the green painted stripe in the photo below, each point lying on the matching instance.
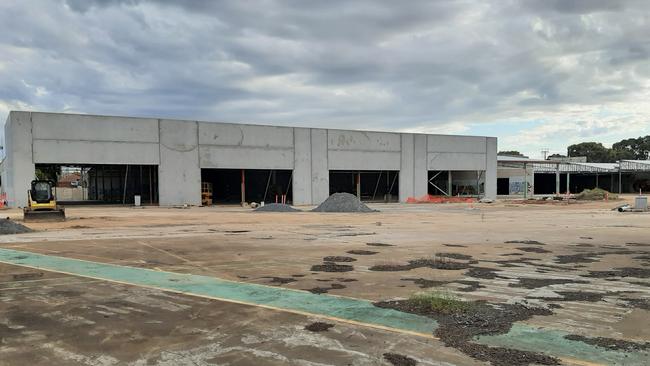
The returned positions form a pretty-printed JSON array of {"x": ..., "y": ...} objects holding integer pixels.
[
  {"x": 521, "y": 336},
  {"x": 292, "y": 300},
  {"x": 552, "y": 342}
]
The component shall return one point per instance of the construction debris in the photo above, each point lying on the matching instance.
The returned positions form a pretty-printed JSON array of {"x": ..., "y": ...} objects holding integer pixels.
[
  {"x": 640, "y": 205},
  {"x": 343, "y": 202},
  {"x": 9, "y": 227}
]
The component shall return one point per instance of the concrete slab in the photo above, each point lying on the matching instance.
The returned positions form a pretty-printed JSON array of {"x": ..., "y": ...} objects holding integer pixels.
[{"x": 520, "y": 252}]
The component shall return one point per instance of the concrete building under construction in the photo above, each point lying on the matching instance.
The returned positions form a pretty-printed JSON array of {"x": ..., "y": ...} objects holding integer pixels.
[{"x": 168, "y": 162}]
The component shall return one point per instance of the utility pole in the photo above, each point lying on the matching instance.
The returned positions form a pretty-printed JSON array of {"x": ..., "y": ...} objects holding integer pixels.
[{"x": 545, "y": 153}]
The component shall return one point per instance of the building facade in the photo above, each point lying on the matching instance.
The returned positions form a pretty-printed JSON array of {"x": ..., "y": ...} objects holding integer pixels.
[{"x": 166, "y": 161}]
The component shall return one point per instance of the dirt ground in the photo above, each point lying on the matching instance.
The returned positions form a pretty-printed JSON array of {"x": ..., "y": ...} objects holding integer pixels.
[{"x": 587, "y": 263}]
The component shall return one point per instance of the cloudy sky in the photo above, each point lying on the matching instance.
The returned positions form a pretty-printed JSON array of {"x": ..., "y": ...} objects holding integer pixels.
[{"x": 537, "y": 74}]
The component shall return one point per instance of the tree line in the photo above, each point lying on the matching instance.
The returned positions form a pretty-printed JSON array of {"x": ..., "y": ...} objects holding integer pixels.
[{"x": 596, "y": 152}]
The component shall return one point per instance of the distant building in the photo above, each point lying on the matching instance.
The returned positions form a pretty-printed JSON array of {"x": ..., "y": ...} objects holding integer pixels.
[
  {"x": 529, "y": 177},
  {"x": 70, "y": 180}
]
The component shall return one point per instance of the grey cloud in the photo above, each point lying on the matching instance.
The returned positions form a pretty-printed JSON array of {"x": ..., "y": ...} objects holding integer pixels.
[
  {"x": 366, "y": 64},
  {"x": 85, "y": 5},
  {"x": 579, "y": 6}
]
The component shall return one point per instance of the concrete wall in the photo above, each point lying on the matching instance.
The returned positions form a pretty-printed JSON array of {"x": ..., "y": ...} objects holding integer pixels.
[
  {"x": 71, "y": 194},
  {"x": 301, "y": 183},
  {"x": 491, "y": 168},
  {"x": 3, "y": 177},
  {"x": 320, "y": 177},
  {"x": 179, "y": 175},
  {"x": 81, "y": 139},
  {"x": 232, "y": 146},
  {"x": 420, "y": 173},
  {"x": 515, "y": 175},
  {"x": 360, "y": 150},
  {"x": 458, "y": 153},
  {"x": 182, "y": 148},
  {"x": 407, "y": 168},
  {"x": 19, "y": 159}
]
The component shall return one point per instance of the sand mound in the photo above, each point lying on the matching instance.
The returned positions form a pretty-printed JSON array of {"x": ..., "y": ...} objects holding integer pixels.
[
  {"x": 595, "y": 194},
  {"x": 276, "y": 207},
  {"x": 9, "y": 227},
  {"x": 343, "y": 202}
]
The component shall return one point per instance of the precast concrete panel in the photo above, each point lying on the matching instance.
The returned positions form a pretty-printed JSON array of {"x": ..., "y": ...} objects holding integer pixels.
[
  {"x": 320, "y": 177},
  {"x": 420, "y": 171},
  {"x": 94, "y": 152},
  {"x": 363, "y": 141},
  {"x": 226, "y": 157},
  {"x": 363, "y": 160},
  {"x": 182, "y": 148},
  {"x": 301, "y": 183},
  {"x": 54, "y": 126},
  {"x": 3, "y": 177},
  {"x": 179, "y": 175},
  {"x": 7, "y": 163},
  {"x": 491, "y": 168},
  {"x": 455, "y": 144},
  {"x": 19, "y": 158},
  {"x": 407, "y": 168},
  {"x": 220, "y": 134},
  {"x": 456, "y": 161}
]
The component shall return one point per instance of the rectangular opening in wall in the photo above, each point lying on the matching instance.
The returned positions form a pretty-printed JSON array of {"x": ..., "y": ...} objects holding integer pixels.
[
  {"x": 503, "y": 186},
  {"x": 101, "y": 184},
  {"x": 370, "y": 185},
  {"x": 545, "y": 182},
  {"x": 468, "y": 183},
  {"x": 258, "y": 185}
]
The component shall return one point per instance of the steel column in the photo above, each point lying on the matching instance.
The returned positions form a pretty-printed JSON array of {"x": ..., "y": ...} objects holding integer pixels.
[
  {"x": 243, "y": 186},
  {"x": 557, "y": 179}
]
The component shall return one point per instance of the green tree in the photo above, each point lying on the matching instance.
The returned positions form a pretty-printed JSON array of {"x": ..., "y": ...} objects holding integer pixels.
[
  {"x": 511, "y": 153},
  {"x": 594, "y": 151},
  {"x": 46, "y": 173},
  {"x": 555, "y": 156},
  {"x": 633, "y": 148}
]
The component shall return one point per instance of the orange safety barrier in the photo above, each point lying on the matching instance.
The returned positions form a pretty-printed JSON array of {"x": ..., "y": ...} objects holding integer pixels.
[
  {"x": 440, "y": 199},
  {"x": 3, "y": 199}
]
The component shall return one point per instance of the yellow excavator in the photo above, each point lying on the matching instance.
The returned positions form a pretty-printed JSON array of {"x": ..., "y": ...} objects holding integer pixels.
[{"x": 42, "y": 205}]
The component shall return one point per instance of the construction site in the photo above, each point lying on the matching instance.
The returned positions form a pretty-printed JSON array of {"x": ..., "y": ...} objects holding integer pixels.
[{"x": 167, "y": 242}]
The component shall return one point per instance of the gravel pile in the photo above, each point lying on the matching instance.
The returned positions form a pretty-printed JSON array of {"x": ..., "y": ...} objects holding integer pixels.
[
  {"x": 276, "y": 207},
  {"x": 343, "y": 202},
  {"x": 9, "y": 227}
]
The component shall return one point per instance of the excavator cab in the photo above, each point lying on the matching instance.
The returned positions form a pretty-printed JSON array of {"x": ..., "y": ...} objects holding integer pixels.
[{"x": 42, "y": 203}]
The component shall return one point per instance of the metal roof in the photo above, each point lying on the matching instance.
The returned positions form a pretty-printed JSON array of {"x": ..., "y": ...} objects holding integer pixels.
[
  {"x": 635, "y": 165},
  {"x": 606, "y": 166},
  {"x": 551, "y": 166},
  {"x": 564, "y": 167}
]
